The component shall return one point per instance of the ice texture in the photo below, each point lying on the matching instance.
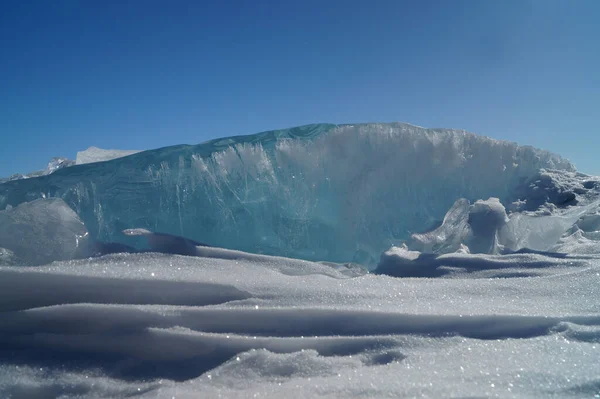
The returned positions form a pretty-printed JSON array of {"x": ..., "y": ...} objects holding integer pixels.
[
  {"x": 95, "y": 154},
  {"x": 319, "y": 192}
]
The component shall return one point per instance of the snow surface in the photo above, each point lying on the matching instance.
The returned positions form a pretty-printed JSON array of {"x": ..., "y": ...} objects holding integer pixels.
[
  {"x": 163, "y": 326},
  {"x": 95, "y": 154}
]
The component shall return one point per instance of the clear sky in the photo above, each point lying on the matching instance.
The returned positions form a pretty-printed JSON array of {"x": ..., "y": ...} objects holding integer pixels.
[{"x": 144, "y": 74}]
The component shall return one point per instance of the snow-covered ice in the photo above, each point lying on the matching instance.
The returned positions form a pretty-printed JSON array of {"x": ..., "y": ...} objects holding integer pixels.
[{"x": 498, "y": 298}]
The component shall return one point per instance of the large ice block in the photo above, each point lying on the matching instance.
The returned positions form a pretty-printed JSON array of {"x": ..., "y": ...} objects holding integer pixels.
[{"x": 320, "y": 192}]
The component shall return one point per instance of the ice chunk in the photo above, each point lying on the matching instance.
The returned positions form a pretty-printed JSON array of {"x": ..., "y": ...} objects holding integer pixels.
[
  {"x": 95, "y": 154},
  {"x": 550, "y": 224},
  {"x": 43, "y": 231},
  {"x": 552, "y": 206},
  {"x": 450, "y": 235},
  {"x": 541, "y": 231},
  {"x": 320, "y": 192},
  {"x": 466, "y": 228},
  {"x": 584, "y": 236},
  {"x": 486, "y": 218}
]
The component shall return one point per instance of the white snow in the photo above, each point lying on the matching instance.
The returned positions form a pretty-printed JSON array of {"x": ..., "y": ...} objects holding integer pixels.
[
  {"x": 95, "y": 154},
  {"x": 163, "y": 326}
]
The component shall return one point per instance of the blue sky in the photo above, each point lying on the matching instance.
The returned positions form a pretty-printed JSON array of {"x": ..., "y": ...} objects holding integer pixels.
[{"x": 145, "y": 74}]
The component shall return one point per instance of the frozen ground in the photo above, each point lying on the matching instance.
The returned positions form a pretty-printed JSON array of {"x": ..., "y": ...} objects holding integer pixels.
[{"x": 164, "y": 326}]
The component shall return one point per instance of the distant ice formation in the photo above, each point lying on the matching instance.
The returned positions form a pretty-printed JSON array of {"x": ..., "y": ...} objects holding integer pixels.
[
  {"x": 91, "y": 155},
  {"x": 95, "y": 154},
  {"x": 321, "y": 192},
  {"x": 54, "y": 164}
]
